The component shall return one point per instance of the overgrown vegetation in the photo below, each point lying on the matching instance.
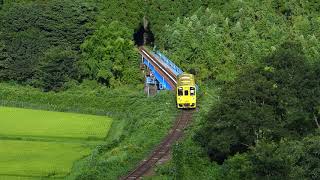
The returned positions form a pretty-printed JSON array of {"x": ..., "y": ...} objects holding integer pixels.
[
  {"x": 134, "y": 116},
  {"x": 215, "y": 43},
  {"x": 40, "y": 41},
  {"x": 274, "y": 102}
]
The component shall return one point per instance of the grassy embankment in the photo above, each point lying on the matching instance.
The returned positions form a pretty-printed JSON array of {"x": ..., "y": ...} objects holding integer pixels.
[{"x": 139, "y": 123}]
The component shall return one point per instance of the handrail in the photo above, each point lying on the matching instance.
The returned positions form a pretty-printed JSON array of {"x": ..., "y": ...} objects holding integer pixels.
[
  {"x": 166, "y": 60},
  {"x": 155, "y": 61}
]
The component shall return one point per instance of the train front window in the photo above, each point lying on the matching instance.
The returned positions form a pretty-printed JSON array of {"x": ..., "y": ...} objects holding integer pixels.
[
  {"x": 192, "y": 91},
  {"x": 186, "y": 92},
  {"x": 180, "y": 92}
]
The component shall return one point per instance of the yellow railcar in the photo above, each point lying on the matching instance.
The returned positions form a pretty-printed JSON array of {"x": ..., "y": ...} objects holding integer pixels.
[{"x": 186, "y": 91}]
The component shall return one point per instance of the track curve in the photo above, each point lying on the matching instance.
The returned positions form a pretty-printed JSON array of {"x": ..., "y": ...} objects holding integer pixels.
[{"x": 163, "y": 148}]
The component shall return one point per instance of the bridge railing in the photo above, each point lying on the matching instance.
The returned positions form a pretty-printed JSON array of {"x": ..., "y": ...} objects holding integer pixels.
[
  {"x": 174, "y": 68},
  {"x": 167, "y": 64}
]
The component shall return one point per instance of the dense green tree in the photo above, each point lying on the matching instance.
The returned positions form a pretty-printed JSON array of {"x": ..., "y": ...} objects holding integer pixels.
[
  {"x": 286, "y": 159},
  {"x": 158, "y": 12},
  {"x": 311, "y": 157},
  {"x": 237, "y": 167},
  {"x": 130, "y": 13},
  {"x": 298, "y": 85},
  {"x": 109, "y": 56},
  {"x": 24, "y": 51},
  {"x": 276, "y": 99},
  {"x": 57, "y": 67},
  {"x": 29, "y": 29},
  {"x": 218, "y": 41},
  {"x": 277, "y": 161},
  {"x": 211, "y": 46},
  {"x": 4, "y": 58}
]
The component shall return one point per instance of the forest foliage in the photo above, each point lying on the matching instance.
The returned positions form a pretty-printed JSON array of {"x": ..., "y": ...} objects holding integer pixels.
[
  {"x": 38, "y": 40},
  {"x": 276, "y": 100},
  {"x": 110, "y": 57},
  {"x": 214, "y": 43},
  {"x": 212, "y": 39}
]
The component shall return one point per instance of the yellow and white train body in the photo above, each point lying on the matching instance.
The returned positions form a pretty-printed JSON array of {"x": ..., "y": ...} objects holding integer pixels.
[{"x": 186, "y": 91}]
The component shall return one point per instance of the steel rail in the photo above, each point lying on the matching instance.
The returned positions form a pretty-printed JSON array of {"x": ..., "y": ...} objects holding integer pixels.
[
  {"x": 163, "y": 148},
  {"x": 174, "y": 134}
]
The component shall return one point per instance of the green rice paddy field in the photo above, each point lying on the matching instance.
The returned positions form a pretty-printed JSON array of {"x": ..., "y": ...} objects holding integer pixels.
[{"x": 35, "y": 143}]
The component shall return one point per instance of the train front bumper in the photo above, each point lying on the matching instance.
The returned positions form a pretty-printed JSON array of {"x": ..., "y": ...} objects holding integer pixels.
[{"x": 186, "y": 105}]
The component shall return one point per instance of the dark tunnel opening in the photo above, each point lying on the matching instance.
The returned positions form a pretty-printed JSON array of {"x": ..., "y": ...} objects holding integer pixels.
[{"x": 143, "y": 36}]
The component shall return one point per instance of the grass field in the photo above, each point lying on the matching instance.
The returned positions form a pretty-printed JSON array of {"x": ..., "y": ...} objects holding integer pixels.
[
  {"x": 23, "y": 158},
  {"x": 35, "y": 143},
  {"x": 26, "y": 122}
]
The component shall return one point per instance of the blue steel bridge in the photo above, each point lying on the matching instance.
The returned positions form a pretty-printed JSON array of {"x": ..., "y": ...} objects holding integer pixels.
[{"x": 164, "y": 71}]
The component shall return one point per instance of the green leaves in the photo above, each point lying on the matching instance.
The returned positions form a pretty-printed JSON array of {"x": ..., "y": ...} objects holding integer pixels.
[
  {"x": 311, "y": 160},
  {"x": 31, "y": 29},
  {"x": 57, "y": 67},
  {"x": 109, "y": 56},
  {"x": 287, "y": 159},
  {"x": 277, "y": 161},
  {"x": 221, "y": 40},
  {"x": 4, "y": 59},
  {"x": 237, "y": 167},
  {"x": 276, "y": 99}
]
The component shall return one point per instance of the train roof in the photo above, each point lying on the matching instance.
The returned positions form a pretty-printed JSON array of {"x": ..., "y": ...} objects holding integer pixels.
[{"x": 186, "y": 79}]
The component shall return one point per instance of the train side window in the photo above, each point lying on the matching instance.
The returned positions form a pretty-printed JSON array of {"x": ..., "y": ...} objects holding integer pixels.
[
  {"x": 192, "y": 91},
  {"x": 186, "y": 92},
  {"x": 180, "y": 92}
]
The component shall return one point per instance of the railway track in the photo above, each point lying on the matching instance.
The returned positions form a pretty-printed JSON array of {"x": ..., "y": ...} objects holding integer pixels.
[
  {"x": 163, "y": 148},
  {"x": 162, "y": 69}
]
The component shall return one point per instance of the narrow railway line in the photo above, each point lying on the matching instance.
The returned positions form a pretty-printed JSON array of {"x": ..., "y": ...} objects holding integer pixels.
[
  {"x": 163, "y": 148},
  {"x": 174, "y": 134}
]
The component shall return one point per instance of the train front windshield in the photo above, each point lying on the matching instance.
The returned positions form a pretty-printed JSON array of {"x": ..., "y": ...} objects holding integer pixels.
[
  {"x": 180, "y": 91},
  {"x": 192, "y": 91},
  {"x": 185, "y": 91}
]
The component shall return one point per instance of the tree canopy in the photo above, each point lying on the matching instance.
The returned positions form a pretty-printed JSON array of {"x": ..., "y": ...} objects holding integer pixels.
[
  {"x": 109, "y": 56},
  {"x": 276, "y": 99},
  {"x": 32, "y": 29}
]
